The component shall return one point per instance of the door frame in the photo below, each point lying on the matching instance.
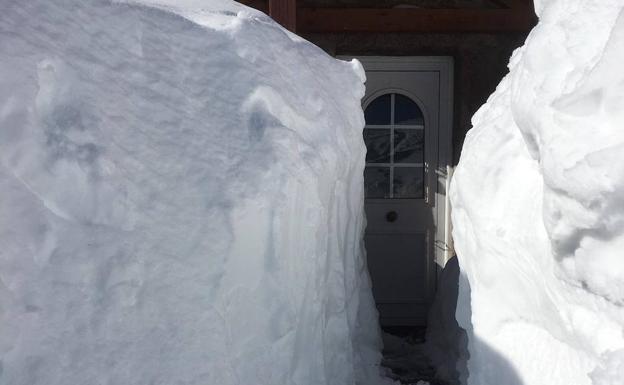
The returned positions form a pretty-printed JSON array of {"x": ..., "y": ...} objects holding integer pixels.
[{"x": 444, "y": 66}]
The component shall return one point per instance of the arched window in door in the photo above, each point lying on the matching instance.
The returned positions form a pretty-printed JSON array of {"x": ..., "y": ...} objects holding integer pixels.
[{"x": 395, "y": 140}]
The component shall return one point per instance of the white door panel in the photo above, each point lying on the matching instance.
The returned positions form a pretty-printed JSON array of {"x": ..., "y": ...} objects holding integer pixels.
[
  {"x": 398, "y": 271},
  {"x": 402, "y": 110}
]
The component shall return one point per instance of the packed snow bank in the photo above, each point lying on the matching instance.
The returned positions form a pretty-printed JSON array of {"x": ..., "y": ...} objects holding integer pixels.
[
  {"x": 446, "y": 343},
  {"x": 538, "y": 208},
  {"x": 181, "y": 200}
]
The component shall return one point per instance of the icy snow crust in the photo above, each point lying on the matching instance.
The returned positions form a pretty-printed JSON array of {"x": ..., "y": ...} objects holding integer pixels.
[
  {"x": 181, "y": 200},
  {"x": 538, "y": 207}
]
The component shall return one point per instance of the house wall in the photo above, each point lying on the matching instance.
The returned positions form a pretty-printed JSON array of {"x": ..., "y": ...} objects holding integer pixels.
[
  {"x": 480, "y": 62},
  {"x": 402, "y": 3}
]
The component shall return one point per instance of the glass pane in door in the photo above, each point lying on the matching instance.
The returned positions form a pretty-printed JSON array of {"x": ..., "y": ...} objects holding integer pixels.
[
  {"x": 406, "y": 111},
  {"x": 377, "y": 182},
  {"x": 395, "y": 141},
  {"x": 408, "y": 182},
  {"x": 409, "y": 146},
  {"x": 377, "y": 145},
  {"x": 378, "y": 111}
]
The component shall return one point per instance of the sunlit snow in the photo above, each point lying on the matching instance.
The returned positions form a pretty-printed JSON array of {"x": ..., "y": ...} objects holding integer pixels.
[
  {"x": 181, "y": 200},
  {"x": 538, "y": 209}
]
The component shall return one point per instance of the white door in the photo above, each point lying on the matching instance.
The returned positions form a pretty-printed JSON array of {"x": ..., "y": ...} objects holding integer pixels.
[{"x": 402, "y": 109}]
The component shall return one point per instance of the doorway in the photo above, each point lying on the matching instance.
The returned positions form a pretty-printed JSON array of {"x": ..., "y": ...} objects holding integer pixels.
[{"x": 408, "y": 109}]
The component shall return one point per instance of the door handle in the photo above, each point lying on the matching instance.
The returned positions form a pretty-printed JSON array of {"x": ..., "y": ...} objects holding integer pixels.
[{"x": 392, "y": 216}]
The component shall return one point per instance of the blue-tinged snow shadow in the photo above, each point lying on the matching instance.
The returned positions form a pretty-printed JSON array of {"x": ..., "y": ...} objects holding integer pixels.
[
  {"x": 485, "y": 365},
  {"x": 451, "y": 355}
]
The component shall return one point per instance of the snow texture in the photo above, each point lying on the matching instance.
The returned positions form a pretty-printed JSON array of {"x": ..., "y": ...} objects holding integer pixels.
[
  {"x": 538, "y": 207},
  {"x": 181, "y": 200},
  {"x": 446, "y": 344}
]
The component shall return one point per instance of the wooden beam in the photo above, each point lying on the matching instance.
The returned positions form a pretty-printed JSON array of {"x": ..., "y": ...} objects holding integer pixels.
[
  {"x": 414, "y": 20},
  {"x": 284, "y": 12},
  {"x": 517, "y": 4}
]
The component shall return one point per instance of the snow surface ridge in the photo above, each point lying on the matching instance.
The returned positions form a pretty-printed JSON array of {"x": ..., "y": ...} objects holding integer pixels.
[
  {"x": 537, "y": 207},
  {"x": 180, "y": 204}
]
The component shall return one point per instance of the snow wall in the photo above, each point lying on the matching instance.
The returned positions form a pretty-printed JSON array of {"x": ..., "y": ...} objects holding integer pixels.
[
  {"x": 538, "y": 207},
  {"x": 181, "y": 200}
]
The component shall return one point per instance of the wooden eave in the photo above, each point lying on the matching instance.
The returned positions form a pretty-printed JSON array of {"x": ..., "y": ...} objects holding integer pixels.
[{"x": 513, "y": 16}]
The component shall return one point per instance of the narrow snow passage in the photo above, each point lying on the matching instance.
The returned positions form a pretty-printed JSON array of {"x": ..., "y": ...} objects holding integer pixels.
[
  {"x": 538, "y": 214},
  {"x": 181, "y": 200},
  {"x": 405, "y": 358}
]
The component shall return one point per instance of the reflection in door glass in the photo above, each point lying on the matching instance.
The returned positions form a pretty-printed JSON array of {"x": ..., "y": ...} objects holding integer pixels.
[
  {"x": 377, "y": 182},
  {"x": 409, "y": 146},
  {"x": 408, "y": 182},
  {"x": 395, "y": 139},
  {"x": 377, "y": 145}
]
